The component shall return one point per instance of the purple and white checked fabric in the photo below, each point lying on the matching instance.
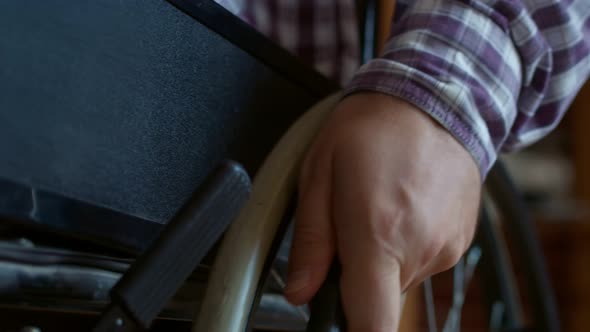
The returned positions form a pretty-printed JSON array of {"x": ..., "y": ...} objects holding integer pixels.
[
  {"x": 497, "y": 74},
  {"x": 323, "y": 33}
]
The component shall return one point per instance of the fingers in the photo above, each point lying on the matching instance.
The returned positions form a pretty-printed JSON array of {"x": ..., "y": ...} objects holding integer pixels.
[
  {"x": 371, "y": 296},
  {"x": 370, "y": 281},
  {"x": 313, "y": 242}
]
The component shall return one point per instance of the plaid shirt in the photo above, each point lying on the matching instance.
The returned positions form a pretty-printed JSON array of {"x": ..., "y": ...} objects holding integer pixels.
[{"x": 497, "y": 74}]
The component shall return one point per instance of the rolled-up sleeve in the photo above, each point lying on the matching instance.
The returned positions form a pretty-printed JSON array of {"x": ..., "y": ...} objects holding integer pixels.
[{"x": 498, "y": 75}]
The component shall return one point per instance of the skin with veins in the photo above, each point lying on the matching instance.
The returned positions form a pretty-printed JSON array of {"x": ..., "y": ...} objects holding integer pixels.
[{"x": 390, "y": 192}]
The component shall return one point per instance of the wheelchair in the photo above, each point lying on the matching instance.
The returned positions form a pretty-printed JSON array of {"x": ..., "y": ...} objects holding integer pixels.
[{"x": 129, "y": 135}]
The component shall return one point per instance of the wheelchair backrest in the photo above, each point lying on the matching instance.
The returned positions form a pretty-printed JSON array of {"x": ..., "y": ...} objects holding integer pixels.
[{"x": 127, "y": 105}]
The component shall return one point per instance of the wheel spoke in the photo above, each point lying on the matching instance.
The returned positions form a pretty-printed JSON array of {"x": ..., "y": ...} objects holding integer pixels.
[
  {"x": 462, "y": 275},
  {"x": 497, "y": 316},
  {"x": 430, "y": 309}
]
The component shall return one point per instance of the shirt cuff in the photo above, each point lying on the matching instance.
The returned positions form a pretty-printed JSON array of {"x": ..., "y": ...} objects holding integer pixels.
[
  {"x": 424, "y": 97},
  {"x": 457, "y": 65}
]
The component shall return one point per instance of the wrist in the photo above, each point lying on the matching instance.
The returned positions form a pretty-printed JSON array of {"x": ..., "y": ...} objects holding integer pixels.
[{"x": 415, "y": 129}]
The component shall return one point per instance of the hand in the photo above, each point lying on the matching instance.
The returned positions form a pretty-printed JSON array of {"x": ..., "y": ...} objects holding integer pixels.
[{"x": 393, "y": 194}]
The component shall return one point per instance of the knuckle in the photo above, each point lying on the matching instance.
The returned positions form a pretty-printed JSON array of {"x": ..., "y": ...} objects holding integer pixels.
[
  {"x": 386, "y": 220},
  {"x": 385, "y": 229},
  {"x": 452, "y": 255},
  {"x": 308, "y": 236},
  {"x": 432, "y": 250}
]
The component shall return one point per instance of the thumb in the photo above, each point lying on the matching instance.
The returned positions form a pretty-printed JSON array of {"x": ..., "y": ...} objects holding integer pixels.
[{"x": 313, "y": 245}]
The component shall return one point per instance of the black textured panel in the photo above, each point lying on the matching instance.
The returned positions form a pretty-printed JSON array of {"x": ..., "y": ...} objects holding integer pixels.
[{"x": 128, "y": 104}]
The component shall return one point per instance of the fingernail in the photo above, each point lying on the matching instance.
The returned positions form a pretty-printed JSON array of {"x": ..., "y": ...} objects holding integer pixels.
[{"x": 297, "y": 281}]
